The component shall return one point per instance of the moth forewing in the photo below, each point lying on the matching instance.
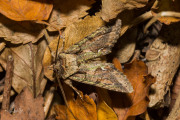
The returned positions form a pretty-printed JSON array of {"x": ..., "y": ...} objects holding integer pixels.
[
  {"x": 103, "y": 75},
  {"x": 80, "y": 64}
]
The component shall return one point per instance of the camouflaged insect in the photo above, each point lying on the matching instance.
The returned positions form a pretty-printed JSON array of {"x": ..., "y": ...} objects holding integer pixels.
[{"x": 80, "y": 63}]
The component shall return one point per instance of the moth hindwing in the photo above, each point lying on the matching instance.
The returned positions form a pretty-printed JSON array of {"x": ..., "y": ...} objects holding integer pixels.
[{"x": 80, "y": 61}]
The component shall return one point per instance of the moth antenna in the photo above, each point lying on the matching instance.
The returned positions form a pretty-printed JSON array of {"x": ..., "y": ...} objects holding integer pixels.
[{"x": 56, "y": 72}]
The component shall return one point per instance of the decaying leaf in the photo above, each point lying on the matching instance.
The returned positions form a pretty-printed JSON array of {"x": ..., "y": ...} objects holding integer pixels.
[
  {"x": 79, "y": 30},
  {"x": 26, "y": 108},
  {"x": 73, "y": 34},
  {"x": 104, "y": 112},
  {"x": 67, "y": 12},
  {"x": 20, "y": 10},
  {"x": 164, "y": 59},
  {"x": 166, "y": 5},
  {"x": 111, "y": 8},
  {"x": 82, "y": 109},
  {"x": 24, "y": 57},
  {"x": 134, "y": 103},
  {"x": 125, "y": 47},
  {"x": 20, "y": 32}
]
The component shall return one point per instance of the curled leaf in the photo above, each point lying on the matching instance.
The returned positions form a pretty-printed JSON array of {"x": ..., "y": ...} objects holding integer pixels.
[
  {"x": 134, "y": 103},
  {"x": 82, "y": 109}
]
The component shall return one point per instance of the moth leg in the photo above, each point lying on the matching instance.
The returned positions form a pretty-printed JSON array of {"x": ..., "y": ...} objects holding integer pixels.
[{"x": 69, "y": 83}]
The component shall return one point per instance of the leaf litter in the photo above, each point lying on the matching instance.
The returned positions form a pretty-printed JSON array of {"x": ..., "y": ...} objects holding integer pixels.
[{"x": 35, "y": 49}]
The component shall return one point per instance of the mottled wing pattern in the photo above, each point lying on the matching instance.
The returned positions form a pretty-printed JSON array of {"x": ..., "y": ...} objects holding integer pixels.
[
  {"x": 82, "y": 69},
  {"x": 97, "y": 44},
  {"x": 102, "y": 75}
]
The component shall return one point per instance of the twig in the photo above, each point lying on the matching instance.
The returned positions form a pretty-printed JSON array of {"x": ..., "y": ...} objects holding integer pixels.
[
  {"x": 7, "y": 84},
  {"x": 43, "y": 85},
  {"x": 136, "y": 21},
  {"x": 63, "y": 93},
  {"x": 161, "y": 14},
  {"x": 48, "y": 100}
]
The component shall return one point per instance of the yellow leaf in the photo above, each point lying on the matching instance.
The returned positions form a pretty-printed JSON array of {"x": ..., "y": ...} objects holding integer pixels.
[
  {"x": 79, "y": 30},
  {"x": 82, "y": 109},
  {"x": 104, "y": 112}
]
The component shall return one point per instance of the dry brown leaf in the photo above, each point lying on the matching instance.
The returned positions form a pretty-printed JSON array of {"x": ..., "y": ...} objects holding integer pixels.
[
  {"x": 111, "y": 8},
  {"x": 126, "y": 46},
  {"x": 68, "y": 11},
  {"x": 79, "y": 30},
  {"x": 20, "y": 32},
  {"x": 166, "y": 5},
  {"x": 20, "y": 10},
  {"x": 82, "y": 109},
  {"x": 23, "y": 72},
  {"x": 26, "y": 107},
  {"x": 136, "y": 102},
  {"x": 73, "y": 34}
]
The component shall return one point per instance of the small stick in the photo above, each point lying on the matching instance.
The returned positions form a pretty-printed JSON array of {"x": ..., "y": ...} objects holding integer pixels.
[
  {"x": 161, "y": 14},
  {"x": 7, "y": 84},
  {"x": 48, "y": 100}
]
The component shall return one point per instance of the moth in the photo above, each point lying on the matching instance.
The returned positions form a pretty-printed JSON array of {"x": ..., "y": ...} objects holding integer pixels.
[{"x": 81, "y": 61}]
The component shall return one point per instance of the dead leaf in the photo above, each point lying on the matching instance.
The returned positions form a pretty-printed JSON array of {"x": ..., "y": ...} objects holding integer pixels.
[
  {"x": 117, "y": 64},
  {"x": 134, "y": 103},
  {"x": 23, "y": 74},
  {"x": 73, "y": 34},
  {"x": 166, "y": 5},
  {"x": 82, "y": 109},
  {"x": 104, "y": 110},
  {"x": 20, "y": 10},
  {"x": 111, "y": 8},
  {"x": 67, "y": 12},
  {"x": 126, "y": 46},
  {"x": 20, "y": 32},
  {"x": 26, "y": 107}
]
